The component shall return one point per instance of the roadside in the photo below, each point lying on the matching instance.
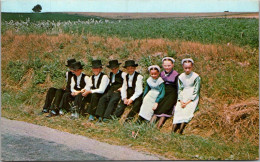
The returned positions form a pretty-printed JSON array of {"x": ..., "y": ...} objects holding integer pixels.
[{"x": 25, "y": 141}]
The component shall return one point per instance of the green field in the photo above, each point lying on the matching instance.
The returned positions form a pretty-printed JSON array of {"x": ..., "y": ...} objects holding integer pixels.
[
  {"x": 242, "y": 32},
  {"x": 225, "y": 51}
]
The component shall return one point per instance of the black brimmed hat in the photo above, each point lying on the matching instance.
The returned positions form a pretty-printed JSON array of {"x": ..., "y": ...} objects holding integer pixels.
[
  {"x": 69, "y": 62},
  {"x": 76, "y": 65},
  {"x": 113, "y": 64},
  {"x": 96, "y": 64},
  {"x": 130, "y": 63}
]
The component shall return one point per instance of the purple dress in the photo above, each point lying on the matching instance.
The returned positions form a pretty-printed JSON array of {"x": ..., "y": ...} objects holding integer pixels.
[{"x": 166, "y": 105}]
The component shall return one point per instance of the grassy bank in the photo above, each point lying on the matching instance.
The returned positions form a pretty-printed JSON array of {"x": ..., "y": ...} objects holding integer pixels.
[{"x": 225, "y": 127}]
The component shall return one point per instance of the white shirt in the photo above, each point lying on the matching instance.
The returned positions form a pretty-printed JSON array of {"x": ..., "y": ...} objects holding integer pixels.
[
  {"x": 103, "y": 85},
  {"x": 138, "y": 87},
  {"x": 86, "y": 79},
  {"x": 122, "y": 75},
  {"x": 67, "y": 76}
]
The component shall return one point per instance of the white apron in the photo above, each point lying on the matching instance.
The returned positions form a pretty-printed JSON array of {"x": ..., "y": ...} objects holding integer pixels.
[
  {"x": 182, "y": 115},
  {"x": 146, "y": 110}
]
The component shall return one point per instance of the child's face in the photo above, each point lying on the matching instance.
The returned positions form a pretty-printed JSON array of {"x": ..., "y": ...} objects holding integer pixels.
[
  {"x": 77, "y": 72},
  {"x": 115, "y": 70},
  {"x": 96, "y": 71},
  {"x": 130, "y": 69},
  {"x": 154, "y": 74},
  {"x": 187, "y": 67},
  {"x": 167, "y": 65}
]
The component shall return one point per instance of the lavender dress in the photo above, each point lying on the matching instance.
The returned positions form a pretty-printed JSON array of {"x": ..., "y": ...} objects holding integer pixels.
[{"x": 166, "y": 105}]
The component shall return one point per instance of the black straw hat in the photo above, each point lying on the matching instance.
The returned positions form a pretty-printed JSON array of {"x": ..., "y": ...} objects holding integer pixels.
[
  {"x": 69, "y": 62},
  {"x": 76, "y": 65},
  {"x": 113, "y": 64},
  {"x": 130, "y": 63},
  {"x": 96, "y": 64}
]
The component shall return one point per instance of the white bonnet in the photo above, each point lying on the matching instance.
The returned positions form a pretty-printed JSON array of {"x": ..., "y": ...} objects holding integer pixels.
[
  {"x": 154, "y": 66},
  {"x": 169, "y": 58},
  {"x": 187, "y": 59}
]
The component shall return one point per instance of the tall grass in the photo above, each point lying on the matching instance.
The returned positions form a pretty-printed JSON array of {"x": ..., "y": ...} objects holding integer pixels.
[{"x": 241, "y": 32}]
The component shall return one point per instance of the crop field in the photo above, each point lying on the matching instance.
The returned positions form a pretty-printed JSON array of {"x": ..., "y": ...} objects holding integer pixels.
[{"x": 35, "y": 48}]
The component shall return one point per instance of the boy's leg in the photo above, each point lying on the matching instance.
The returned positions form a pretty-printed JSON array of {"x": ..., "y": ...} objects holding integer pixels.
[
  {"x": 112, "y": 104},
  {"x": 92, "y": 107},
  {"x": 49, "y": 98},
  {"x": 77, "y": 105},
  {"x": 102, "y": 104},
  {"x": 136, "y": 108},
  {"x": 66, "y": 100},
  {"x": 85, "y": 100},
  {"x": 120, "y": 109},
  {"x": 58, "y": 96}
]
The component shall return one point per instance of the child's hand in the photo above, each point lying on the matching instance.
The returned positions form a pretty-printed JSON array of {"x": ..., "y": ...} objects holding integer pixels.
[
  {"x": 185, "y": 104},
  {"x": 86, "y": 93},
  {"x": 125, "y": 101},
  {"x": 82, "y": 91},
  {"x": 75, "y": 93},
  {"x": 129, "y": 102},
  {"x": 155, "y": 106},
  {"x": 182, "y": 104}
]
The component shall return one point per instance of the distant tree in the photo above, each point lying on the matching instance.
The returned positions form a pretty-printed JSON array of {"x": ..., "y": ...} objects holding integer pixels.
[{"x": 37, "y": 8}]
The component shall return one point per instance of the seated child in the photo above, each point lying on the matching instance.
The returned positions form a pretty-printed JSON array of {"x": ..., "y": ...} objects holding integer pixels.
[
  {"x": 153, "y": 93},
  {"x": 54, "y": 95},
  {"x": 108, "y": 102},
  {"x": 188, "y": 96},
  {"x": 131, "y": 91},
  {"x": 99, "y": 84}
]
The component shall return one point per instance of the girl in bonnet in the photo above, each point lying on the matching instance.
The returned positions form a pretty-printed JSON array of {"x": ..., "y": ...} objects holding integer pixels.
[
  {"x": 153, "y": 93},
  {"x": 166, "y": 105},
  {"x": 188, "y": 96}
]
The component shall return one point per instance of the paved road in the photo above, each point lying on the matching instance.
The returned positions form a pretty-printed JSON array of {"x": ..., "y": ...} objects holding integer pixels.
[{"x": 25, "y": 141}]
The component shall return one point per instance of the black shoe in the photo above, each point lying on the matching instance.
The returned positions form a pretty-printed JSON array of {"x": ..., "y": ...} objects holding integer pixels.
[
  {"x": 43, "y": 112},
  {"x": 51, "y": 114}
]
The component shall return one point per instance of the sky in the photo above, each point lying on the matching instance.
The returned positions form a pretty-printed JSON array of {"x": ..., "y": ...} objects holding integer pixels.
[{"x": 131, "y": 5}]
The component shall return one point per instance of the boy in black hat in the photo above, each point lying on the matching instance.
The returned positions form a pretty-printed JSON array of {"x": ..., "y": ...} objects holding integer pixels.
[
  {"x": 54, "y": 95},
  {"x": 99, "y": 84},
  {"x": 108, "y": 102},
  {"x": 79, "y": 82},
  {"x": 131, "y": 92}
]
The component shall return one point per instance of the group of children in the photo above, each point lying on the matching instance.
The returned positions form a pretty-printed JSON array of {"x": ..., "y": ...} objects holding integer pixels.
[{"x": 166, "y": 93}]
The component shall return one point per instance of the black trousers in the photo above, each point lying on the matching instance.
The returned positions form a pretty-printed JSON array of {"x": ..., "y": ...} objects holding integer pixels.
[
  {"x": 136, "y": 105},
  {"x": 80, "y": 102},
  {"x": 66, "y": 100},
  {"x": 92, "y": 99},
  {"x": 107, "y": 104},
  {"x": 135, "y": 109},
  {"x": 53, "y": 99}
]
